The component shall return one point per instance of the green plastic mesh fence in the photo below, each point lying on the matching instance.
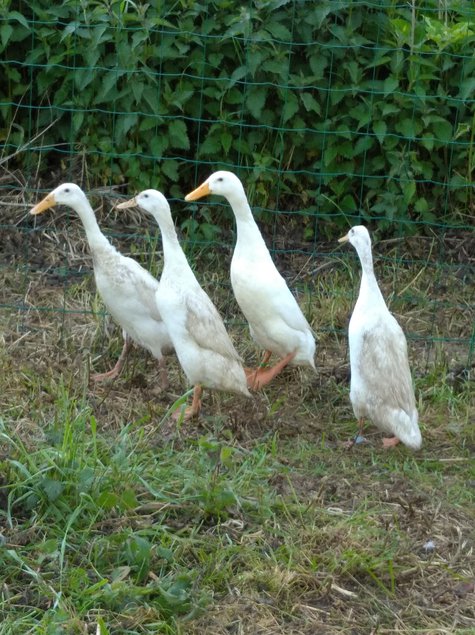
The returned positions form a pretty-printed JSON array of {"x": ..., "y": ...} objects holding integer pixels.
[{"x": 332, "y": 113}]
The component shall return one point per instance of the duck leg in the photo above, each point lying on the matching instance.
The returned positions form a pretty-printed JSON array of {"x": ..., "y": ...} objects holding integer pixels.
[
  {"x": 349, "y": 444},
  {"x": 194, "y": 409},
  {"x": 251, "y": 373},
  {"x": 360, "y": 427},
  {"x": 390, "y": 442},
  {"x": 259, "y": 377},
  {"x": 163, "y": 374},
  {"x": 115, "y": 372}
]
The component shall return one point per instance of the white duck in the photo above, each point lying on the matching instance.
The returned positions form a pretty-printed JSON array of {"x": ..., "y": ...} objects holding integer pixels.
[
  {"x": 276, "y": 321},
  {"x": 127, "y": 289},
  {"x": 381, "y": 385},
  {"x": 201, "y": 342}
]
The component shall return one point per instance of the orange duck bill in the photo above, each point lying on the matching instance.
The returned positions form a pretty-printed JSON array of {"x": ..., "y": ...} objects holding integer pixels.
[
  {"x": 202, "y": 190},
  {"x": 46, "y": 203}
]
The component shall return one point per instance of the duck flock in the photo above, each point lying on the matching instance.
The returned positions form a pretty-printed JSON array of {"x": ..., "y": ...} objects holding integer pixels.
[{"x": 175, "y": 314}]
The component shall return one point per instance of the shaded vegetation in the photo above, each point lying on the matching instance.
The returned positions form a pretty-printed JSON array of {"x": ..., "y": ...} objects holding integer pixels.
[{"x": 345, "y": 109}]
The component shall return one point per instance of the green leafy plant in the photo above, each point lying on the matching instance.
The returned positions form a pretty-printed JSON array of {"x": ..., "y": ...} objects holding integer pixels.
[{"x": 336, "y": 105}]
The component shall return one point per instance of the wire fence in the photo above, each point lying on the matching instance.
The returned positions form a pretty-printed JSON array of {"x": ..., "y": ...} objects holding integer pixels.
[{"x": 332, "y": 113}]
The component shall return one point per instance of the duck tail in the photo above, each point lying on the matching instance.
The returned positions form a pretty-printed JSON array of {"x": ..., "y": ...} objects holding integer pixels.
[{"x": 412, "y": 435}]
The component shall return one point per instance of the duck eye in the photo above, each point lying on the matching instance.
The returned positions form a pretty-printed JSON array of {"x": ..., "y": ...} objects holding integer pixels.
[
  {"x": 145, "y": 195},
  {"x": 220, "y": 178},
  {"x": 67, "y": 190}
]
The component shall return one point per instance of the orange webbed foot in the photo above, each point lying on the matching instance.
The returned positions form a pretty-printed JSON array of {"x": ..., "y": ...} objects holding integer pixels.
[
  {"x": 190, "y": 411},
  {"x": 115, "y": 372},
  {"x": 390, "y": 442},
  {"x": 111, "y": 374},
  {"x": 257, "y": 378}
]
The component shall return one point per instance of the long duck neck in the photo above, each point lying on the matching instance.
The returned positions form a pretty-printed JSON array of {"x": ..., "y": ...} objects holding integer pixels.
[
  {"x": 247, "y": 230},
  {"x": 96, "y": 239},
  {"x": 173, "y": 255},
  {"x": 369, "y": 284}
]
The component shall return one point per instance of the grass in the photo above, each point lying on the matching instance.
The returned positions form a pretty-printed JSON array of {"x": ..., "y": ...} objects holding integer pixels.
[{"x": 253, "y": 519}]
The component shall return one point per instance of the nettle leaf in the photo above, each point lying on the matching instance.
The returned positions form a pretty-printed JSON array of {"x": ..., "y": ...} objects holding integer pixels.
[
  {"x": 83, "y": 77},
  {"x": 124, "y": 53},
  {"x": 91, "y": 56},
  {"x": 237, "y": 75},
  {"x": 181, "y": 97},
  {"x": 379, "y": 60},
  {"x": 107, "y": 84},
  {"x": 178, "y": 135},
  {"x": 421, "y": 205},
  {"x": 124, "y": 124},
  {"x": 259, "y": 37},
  {"x": 255, "y": 100},
  {"x": 19, "y": 17},
  {"x": 337, "y": 94},
  {"x": 152, "y": 98},
  {"x": 310, "y": 103},
  {"x": 234, "y": 96},
  {"x": 362, "y": 114},
  {"x": 377, "y": 164},
  {"x": 139, "y": 37},
  {"x": 69, "y": 29},
  {"x": 354, "y": 71},
  {"x": 345, "y": 149},
  {"x": 298, "y": 124},
  {"x": 215, "y": 59},
  {"x": 279, "y": 31},
  {"x": 254, "y": 61},
  {"x": 467, "y": 88},
  {"x": 99, "y": 34},
  {"x": 147, "y": 123},
  {"x": 348, "y": 203},
  {"x": 345, "y": 132},
  {"x": 318, "y": 64},
  {"x": 390, "y": 85},
  {"x": 389, "y": 108},
  {"x": 13, "y": 75},
  {"x": 443, "y": 130},
  {"x": 169, "y": 167},
  {"x": 211, "y": 145},
  {"x": 77, "y": 120},
  {"x": 226, "y": 141},
  {"x": 409, "y": 189},
  {"x": 362, "y": 145},
  {"x": 212, "y": 92},
  {"x": 158, "y": 145},
  {"x": 291, "y": 106},
  {"x": 330, "y": 155},
  {"x": 427, "y": 141},
  {"x": 275, "y": 66},
  {"x": 5, "y": 33},
  {"x": 380, "y": 128},
  {"x": 137, "y": 90},
  {"x": 409, "y": 128}
]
